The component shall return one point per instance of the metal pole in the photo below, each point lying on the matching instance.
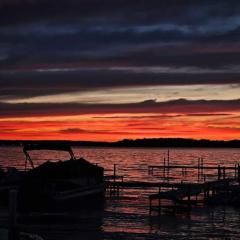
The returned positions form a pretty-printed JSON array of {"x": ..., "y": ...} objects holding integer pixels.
[
  {"x": 168, "y": 157},
  {"x": 219, "y": 172},
  {"x": 12, "y": 231},
  {"x": 238, "y": 173},
  {"x": 164, "y": 166},
  {"x": 202, "y": 166},
  {"x": 114, "y": 172}
]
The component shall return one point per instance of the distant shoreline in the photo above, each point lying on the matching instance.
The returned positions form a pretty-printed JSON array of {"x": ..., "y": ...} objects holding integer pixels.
[{"x": 146, "y": 143}]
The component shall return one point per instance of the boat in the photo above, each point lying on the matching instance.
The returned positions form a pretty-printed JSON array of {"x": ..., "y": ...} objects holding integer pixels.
[{"x": 53, "y": 184}]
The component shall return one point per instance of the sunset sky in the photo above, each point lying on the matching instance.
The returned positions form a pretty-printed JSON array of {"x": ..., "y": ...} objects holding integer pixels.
[{"x": 113, "y": 69}]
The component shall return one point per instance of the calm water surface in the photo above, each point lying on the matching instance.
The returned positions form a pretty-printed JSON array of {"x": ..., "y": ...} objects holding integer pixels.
[{"x": 128, "y": 217}]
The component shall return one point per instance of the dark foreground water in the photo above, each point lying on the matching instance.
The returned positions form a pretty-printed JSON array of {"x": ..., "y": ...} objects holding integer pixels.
[{"x": 128, "y": 217}]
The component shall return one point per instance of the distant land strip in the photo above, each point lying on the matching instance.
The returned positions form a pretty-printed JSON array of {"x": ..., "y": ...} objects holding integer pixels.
[{"x": 145, "y": 142}]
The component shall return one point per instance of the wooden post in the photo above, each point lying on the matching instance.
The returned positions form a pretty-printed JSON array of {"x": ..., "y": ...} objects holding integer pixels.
[
  {"x": 224, "y": 172},
  {"x": 168, "y": 157},
  {"x": 189, "y": 197},
  {"x": 159, "y": 206},
  {"x": 114, "y": 178},
  {"x": 202, "y": 166},
  {"x": 219, "y": 172},
  {"x": 12, "y": 231},
  {"x": 151, "y": 170},
  {"x": 114, "y": 173},
  {"x": 159, "y": 200},
  {"x": 198, "y": 166},
  {"x": 235, "y": 171},
  {"x": 208, "y": 191},
  {"x": 205, "y": 194},
  {"x": 164, "y": 166},
  {"x": 238, "y": 173},
  {"x": 168, "y": 163},
  {"x": 150, "y": 206}
]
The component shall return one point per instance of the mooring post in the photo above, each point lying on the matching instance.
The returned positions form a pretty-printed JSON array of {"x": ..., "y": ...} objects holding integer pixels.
[
  {"x": 150, "y": 170},
  {"x": 164, "y": 165},
  {"x": 202, "y": 166},
  {"x": 159, "y": 205},
  {"x": 219, "y": 172},
  {"x": 114, "y": 172},
  {"x": 208, "y": 190},
  {"x": 12, "y": 231},
  {"x": 168, "y": 163},
  {"x": 150, "y": 206},
  {"x": 235, "y": 171},
  {"x": 198, "y": 166},
  {"x": 224, "y": 172},
  {"x": 238, "y": 173},
  {"x": 114, "y": 177},
  {"x": 168, "y": 157},
  {"x": 189, "y": 196},
  {"x": 205, "y": 193}
]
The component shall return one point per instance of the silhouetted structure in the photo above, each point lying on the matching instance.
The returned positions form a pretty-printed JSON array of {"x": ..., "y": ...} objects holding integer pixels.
[
  {"x": 145, "y": 142},
  {"x": 56, "y": 183}
]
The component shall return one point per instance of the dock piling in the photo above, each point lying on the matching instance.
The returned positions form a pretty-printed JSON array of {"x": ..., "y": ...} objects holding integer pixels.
[
  {"x": 238, "y": 173},
  {"x": 219, "y": 172},
  {"x": 168, "y": 157},
  {"x": 224, "y": 172},
  {"x": 12, "y": 231}
]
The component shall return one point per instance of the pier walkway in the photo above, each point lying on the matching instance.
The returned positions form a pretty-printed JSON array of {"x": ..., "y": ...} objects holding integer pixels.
[{"x": 183, "y": 195}]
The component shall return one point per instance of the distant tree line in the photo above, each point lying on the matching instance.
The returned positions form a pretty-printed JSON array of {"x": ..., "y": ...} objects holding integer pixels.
[
  {"x": 145, "y": 142},
  {"x": 177, "y": 142}
]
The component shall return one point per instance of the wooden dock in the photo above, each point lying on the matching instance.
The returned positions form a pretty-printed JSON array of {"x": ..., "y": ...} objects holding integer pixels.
[
  {"x": 186, "y": 195},
  {"x": 221, "y": 171},
  {"x": 183, "y": 195}
]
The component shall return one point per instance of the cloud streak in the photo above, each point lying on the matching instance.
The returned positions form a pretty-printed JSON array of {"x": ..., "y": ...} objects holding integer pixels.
[{"x": 149, "y": 106}]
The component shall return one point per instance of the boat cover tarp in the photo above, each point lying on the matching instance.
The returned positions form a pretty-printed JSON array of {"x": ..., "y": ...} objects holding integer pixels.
[{"x": 79, "y": 168}]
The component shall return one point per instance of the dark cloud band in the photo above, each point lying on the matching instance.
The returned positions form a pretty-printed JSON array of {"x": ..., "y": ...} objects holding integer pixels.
[{"x": 150, "y": 106}]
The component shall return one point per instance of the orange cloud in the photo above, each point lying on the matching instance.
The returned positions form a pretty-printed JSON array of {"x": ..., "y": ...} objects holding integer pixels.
[{"x": 112, "y": 127}]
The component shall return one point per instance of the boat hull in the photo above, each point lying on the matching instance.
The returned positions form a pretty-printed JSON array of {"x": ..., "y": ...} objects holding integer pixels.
[{"x": 90, "y": 196}]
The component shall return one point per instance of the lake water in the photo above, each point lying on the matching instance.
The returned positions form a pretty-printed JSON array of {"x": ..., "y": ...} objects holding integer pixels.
[{"x": 128, "y": 216}]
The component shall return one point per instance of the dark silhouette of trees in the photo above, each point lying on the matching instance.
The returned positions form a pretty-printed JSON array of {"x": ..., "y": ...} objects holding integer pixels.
[{"x": 145, "y": 142}]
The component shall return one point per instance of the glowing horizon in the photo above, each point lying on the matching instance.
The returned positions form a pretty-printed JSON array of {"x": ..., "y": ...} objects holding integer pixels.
[{"x": 114, "y": 127}]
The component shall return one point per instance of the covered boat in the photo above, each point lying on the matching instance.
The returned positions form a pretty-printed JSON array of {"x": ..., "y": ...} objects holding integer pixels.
[{"x": 61, "y": 183}]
